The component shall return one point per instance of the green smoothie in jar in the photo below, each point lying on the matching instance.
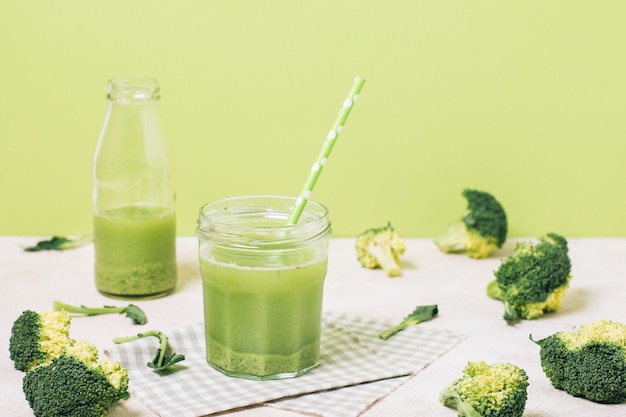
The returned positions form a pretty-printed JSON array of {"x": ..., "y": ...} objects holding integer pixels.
[{"x": 262, "y": 286}]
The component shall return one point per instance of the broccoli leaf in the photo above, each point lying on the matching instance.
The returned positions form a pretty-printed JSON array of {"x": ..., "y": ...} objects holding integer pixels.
[
  {"x": 59, "y": 243},
  {"x": 161, "y": 360},
  {"x": 419, "y": 315},
  {"x": 132, "y": 311},
  {"x": 160, "y": 363},
  {"x": 135, "y": 314}
]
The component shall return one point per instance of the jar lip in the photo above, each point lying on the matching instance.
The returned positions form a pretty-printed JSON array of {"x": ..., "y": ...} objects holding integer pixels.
[
  {"x": 261, "y": 218},
  {"x": 233, "y": 205}
]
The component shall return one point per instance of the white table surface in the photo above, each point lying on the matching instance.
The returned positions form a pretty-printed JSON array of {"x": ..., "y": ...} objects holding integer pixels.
[{"x": 455, "y": 282}]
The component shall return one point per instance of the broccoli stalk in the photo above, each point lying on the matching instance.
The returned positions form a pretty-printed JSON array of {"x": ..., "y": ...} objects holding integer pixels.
[
  {"x": 589, "y": 362},
  {"x": 132, "y": 311},
  {"x": 533, "y": 281},
  {"x": 497, "y": 390},
  {"x": 60, "y": 243},
  {"x": 385, "y": 257},
  {"x": 494, "y": 291},
  {"x": 419, "y": 315},
  {"x": 482, "y": 229},
  {"x": 76, "y": 384},
  {"x": 161, "y": 360},
  {"x": 380, "y": 248}
]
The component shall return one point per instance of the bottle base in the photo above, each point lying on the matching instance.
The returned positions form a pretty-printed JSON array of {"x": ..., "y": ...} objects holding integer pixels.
[{"x": 151, "y": 296}]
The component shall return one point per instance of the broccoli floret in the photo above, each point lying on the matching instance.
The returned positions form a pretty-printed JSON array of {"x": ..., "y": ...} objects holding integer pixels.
[
  {"x": 161, "y": 359},
  {"x": 589, "y": 362},
  {"x": 497, "y": 390},
  {"x": 419, "y": 315},
  {"x": 481, "y": 230},
  {"x": 76, "y": 384},
  {"x": 534, "y": 279},
  {"x": 381, "y": 248},
  {"x": 132, "y": 311},
  {"x": 63, "y": 376},
  {"x": 37, "y": 338}
]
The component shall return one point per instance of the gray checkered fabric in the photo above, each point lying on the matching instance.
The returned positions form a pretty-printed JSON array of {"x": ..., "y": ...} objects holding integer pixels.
[
  {"x": 351, "y": 356},
  {"x": 414, "y": 348}
]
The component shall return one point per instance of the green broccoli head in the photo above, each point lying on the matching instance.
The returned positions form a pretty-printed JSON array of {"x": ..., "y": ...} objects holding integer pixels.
[
  {"x": 589, "y": 362},
  {"x": 76, "y": 384},
  {"x": 38, "y": 338},
  {"x": 481, "y": 230},
  {"x": 380, "y": 248},
  {"x": 497, "y": 390},
  {"x": 534, "y": 279}
]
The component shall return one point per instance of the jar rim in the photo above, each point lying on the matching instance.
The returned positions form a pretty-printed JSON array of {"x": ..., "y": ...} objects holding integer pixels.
[{"x": 235, "y": 219}]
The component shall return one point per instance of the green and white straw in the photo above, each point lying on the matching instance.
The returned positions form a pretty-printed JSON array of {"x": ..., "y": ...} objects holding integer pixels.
[{"x": 329, "y": 143}]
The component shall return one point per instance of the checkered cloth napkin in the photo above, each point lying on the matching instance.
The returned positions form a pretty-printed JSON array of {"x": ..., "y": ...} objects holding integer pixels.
[
  {"x": 415, "y": 348},
  {"x": 352, "y": 360}
]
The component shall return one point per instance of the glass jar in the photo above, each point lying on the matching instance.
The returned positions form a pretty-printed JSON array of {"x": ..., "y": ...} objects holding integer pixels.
[
  {"x": 262, "y": 285},
  {"x": 134, "y": 198}
]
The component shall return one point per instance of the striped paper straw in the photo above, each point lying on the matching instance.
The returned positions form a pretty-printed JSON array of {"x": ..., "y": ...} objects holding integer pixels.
[{"x": 331, "y": 139}]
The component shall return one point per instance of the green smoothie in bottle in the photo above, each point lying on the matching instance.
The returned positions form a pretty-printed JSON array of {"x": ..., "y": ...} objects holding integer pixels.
[
  {"x": 134, "y": 199},
  {"x": 135, "y": 251}
]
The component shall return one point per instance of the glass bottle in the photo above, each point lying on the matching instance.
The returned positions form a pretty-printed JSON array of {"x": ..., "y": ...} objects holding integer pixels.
[{"x": 134, "y": 198}]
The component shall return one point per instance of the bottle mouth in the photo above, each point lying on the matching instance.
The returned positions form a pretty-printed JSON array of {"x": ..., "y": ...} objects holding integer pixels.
[{"x": 133, "y": 88}]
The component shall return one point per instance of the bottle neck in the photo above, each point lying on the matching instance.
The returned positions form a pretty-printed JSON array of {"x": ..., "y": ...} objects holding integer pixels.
[
  {"x": 133, "y": 90},
  {"x": 132, "y": 162}
]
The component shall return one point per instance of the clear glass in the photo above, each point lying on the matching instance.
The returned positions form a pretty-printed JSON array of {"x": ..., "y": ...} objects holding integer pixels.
[
  {"x": 263, "y": 283},
  {"x": 133, "y": 196}
]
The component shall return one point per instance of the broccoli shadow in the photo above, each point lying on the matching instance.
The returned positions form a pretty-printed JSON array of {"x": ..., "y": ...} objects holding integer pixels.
[
  {"x": 408, "y": 265},
  {"x": 575, "y": 299},
  {"x": 119, "y": 409},
  {"x": 172, "y": 369},
  {"x": 507, "y": 249}
]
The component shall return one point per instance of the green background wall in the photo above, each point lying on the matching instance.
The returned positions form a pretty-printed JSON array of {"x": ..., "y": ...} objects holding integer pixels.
[{"x": 525, "y": 99}]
